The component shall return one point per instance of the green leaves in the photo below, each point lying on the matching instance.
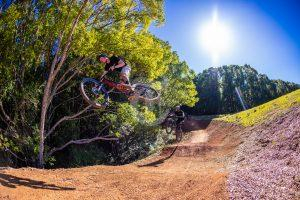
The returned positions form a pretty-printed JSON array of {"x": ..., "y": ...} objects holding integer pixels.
[{"x": 31, "y": 32}]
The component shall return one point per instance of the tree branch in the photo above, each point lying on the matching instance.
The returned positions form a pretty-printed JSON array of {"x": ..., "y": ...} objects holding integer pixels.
[
  {"x": 117, "y": 20},
  {"x": 72, "y": 67},
  {"x": 70, "y": 117},
  {"x": 69, "y": 40},
  {"x": 96, "y": 14},
  {"x": 53, "y": 109},
  {"x": 66, "y": 88},
  {"x": 68, "y": 79},
  {"x": 6, "y": 119},
  {"x": 57, "y": 87},
  {"x": 83, "y": 117},
  {"x": 93, "y": 14},
  {"x": 81, "y": 141},
  {"x": 12, "y": 153}
]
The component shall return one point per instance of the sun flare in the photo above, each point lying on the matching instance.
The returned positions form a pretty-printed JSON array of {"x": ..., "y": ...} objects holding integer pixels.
[{"x": 216, "y": 38}]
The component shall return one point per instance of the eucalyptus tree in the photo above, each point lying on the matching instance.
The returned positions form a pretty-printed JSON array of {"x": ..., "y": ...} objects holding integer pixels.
[{"x": 46, "y": 45}]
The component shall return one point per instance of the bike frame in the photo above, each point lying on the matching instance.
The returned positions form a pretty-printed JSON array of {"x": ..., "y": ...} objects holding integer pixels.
[{"x": 118, "y": 86}]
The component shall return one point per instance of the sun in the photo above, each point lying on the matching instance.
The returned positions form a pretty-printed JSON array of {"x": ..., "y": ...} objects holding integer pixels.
[{"x": 216, "y": 38}]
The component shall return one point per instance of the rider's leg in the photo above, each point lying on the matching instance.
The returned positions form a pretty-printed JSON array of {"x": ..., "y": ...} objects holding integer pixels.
[
  {"x": 179, "y": 122},
  {"x": 100, "y": 78},
  {"x": 124, "y": 79},
  {"x": 124, "y": 75}
]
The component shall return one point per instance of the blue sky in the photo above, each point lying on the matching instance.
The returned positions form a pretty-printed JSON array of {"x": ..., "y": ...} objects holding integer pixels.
[{"x": 263, "y": 33}]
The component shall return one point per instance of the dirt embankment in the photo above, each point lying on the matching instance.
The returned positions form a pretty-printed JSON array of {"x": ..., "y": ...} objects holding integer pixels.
[{"x": 267, "y": 164}]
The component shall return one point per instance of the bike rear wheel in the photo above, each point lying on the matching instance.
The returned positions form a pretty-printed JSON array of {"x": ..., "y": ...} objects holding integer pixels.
[
  {"x": 178, "y": 134},
  {"x": 169, "y": 130},
  {"x": 145, "y": 92},
  {"x": 94, "y": 93},
  {"x": 169, "y": 125}
]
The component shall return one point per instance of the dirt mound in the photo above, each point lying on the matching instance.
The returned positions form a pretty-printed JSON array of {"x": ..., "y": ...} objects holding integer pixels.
[
  {"x": 266, "y": 165},
  {"x": 193, "y": 169},
  {"x": 214, "y": 137},
  {"x": 188, "y": 150},
  {"x": 194, "y": 124}
]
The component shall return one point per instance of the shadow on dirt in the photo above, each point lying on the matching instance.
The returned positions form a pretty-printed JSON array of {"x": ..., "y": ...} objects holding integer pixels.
[
  {"x": 14, "y": 181},
  {"x": 160, "y": 161}
]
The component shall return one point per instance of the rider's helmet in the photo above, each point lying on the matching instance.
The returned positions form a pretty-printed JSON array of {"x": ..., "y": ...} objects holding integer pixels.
[
  {"x": 177, "y": 107},
  {"x": 102, "y": 57}
]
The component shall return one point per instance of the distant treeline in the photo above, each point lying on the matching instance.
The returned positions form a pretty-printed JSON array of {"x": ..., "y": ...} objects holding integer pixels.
[{"x": 217, "y": 93}]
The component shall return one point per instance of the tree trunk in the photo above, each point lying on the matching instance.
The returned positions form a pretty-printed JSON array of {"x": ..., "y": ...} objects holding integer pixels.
[
  {"x": 42, "y": 123},
  {"x": 47, "y": 98}
]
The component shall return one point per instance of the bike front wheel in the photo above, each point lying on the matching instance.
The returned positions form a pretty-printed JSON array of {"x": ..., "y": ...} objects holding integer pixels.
[{"x": 94, "y": 93}]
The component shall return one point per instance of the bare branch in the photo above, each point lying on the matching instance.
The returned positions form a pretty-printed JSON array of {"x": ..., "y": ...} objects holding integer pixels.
[
  {"x": 71, "y": 67},
  {"x": 6, "y": 119},
  {"x": 53, "y": 109},
  {"x": 60, "y": 84},
  {"x": 82, "y": 141},
  {"x": 66, "y": 81},
  {"x": 69, "y": 40},
  {"x": 65, "y": 118},
  {"x": 96, "y": 14},
  {"x": 57, "y": 87},
  {"x": 105, "y": 127},
  {"x": 86, "y": 116},
  {"x": 58, "y": 92},
  {"x": 12, "y": 153}
]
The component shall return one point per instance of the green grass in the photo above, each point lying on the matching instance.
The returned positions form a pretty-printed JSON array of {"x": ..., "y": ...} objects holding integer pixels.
[{"x": 263, "y": 112}]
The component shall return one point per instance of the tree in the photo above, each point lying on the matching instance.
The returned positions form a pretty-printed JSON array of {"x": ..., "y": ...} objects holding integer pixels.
[
  {"x": 53, "y": 42},
  {"x": 47, "y": 33}
]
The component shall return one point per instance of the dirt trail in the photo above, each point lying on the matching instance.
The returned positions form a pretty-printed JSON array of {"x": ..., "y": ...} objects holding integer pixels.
[{"x": 193, "y": 169}]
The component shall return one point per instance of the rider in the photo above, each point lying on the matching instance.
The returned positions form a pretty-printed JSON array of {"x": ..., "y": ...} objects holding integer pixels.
[
  {"x": 118, "y": 64},
  {"x": 177, "y": 115}
]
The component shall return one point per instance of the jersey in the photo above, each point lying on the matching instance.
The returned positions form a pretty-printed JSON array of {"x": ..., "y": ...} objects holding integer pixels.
[{"x": 114, "y": 60}]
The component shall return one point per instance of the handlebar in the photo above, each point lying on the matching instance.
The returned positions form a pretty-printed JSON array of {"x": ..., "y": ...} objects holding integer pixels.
[
  {"x": 110, "y": 69},
  {"x": 103, "y": 75}
]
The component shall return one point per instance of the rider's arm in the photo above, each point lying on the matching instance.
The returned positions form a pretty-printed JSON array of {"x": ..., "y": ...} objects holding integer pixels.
[
  {"x": 180, "y": 114},
  {"x": 183, "y": 114},
  {"x": 121, "y": 63}
]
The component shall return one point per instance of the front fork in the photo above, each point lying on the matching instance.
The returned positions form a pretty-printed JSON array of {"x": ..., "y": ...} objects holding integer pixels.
[{"x": 96, "y": 89}]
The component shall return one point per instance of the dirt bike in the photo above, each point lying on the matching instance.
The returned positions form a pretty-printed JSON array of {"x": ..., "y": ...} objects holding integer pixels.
[
  {"x": 96, "y": 93},
  {"x": 170, "y": 126}
]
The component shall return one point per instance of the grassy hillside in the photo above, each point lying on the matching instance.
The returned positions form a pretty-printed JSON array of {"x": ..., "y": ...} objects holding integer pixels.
[{"x": 260, "y": 113}]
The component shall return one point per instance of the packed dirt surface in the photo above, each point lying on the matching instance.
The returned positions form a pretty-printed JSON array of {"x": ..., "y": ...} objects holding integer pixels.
[{"x": 193, "y": 169}]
